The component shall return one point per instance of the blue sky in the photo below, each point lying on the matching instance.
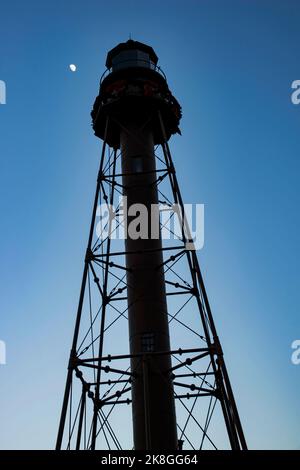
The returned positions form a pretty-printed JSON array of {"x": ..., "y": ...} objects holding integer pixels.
[{"x": 231, "y": 65}]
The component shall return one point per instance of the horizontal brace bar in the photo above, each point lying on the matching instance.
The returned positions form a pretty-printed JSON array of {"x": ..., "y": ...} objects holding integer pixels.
[
  {"x": 106, "y": 369},
  {"x": 119, "y": 253},
  {"x": 156, "y": 353},
  {"x": 194, "y": 374},
  {"x": 179, "y": 293},
  {"x": 136, "y": 174},
  {"x": 192, "y": 387},
  {"x": 114, "y": 299},
  {"x": 115, "y": 395},
  {"x": 194, "y": 395},
  {"x": 176, "y": 285},
  {"x": 118, "y": 402},
  {"x": 110, "y": 382}
]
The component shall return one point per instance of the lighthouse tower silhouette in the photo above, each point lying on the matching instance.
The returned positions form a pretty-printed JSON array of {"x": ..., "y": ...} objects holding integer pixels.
[{"x": 172, "y": 389}]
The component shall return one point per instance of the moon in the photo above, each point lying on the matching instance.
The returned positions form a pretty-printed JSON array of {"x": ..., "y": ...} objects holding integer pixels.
[{"x": 73, "y": 67}]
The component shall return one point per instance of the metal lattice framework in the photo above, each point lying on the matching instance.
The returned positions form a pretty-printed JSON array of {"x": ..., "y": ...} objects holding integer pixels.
[{"x": 96, "y": 410}]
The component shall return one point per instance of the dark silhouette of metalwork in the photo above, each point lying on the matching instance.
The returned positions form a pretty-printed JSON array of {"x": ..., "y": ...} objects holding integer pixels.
[{"x": 144, "y": 333}]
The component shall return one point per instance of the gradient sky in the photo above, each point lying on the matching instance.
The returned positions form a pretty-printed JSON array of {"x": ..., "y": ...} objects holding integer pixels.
[{"x": 231, "y": 65}]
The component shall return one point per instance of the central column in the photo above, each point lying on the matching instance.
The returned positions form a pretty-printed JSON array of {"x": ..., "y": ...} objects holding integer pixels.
[{"x": 154, "y": 420}]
